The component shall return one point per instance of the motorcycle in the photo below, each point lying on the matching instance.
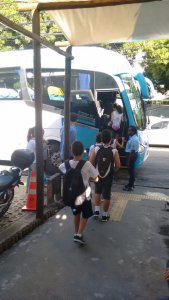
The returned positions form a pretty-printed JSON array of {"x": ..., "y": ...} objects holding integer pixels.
[{"x": 21, "y": 159}]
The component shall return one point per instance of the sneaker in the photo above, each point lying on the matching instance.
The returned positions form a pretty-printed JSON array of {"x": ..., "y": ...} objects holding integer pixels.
[
  {"x": 105, "y": 218},
  {"x": 96, "y": 214},
  {"x": 79, "y": 239},
  {"x": 128, "y": 189},
  {"x": 127, "y": 186}
]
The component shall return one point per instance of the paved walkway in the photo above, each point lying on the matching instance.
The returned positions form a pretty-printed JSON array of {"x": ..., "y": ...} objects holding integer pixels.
[
  {"x": 16, "y": 223},
  {"x": 123, "y": 259}
]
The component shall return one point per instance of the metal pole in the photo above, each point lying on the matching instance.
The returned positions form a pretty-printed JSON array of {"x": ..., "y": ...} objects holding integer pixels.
[
  {"x": 67, "y": 104},
  {"x": 38, "y": 118}
]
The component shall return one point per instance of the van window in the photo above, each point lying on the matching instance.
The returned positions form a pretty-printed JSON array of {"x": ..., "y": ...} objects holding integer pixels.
[
  {"x": 85, "y": 108},
  {"x": 10, "y": 88}
]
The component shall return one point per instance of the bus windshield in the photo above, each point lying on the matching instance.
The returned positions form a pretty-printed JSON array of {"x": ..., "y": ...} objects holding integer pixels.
[{"x": 135, "y": 100}]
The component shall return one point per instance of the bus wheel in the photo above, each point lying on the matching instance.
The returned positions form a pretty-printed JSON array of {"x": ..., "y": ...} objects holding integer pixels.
[{"x": 53, "y": 161}]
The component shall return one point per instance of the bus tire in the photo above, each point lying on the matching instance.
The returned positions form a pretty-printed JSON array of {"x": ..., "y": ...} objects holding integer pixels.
[{"x": 53, "y": 160}]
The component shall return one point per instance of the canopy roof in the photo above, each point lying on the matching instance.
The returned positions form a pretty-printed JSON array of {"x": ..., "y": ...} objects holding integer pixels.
[{"x": 114, "y": 22}]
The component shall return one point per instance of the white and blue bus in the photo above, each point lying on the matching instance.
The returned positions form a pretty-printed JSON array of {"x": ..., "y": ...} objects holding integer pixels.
[{"x": 99, "y": 78}]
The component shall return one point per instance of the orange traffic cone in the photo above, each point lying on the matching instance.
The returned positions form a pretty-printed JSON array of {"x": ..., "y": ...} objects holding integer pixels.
[{"x": 31, "y": 196}]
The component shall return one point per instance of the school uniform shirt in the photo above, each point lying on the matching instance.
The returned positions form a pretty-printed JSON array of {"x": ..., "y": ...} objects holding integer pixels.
[
  {"x": 132, "y": 144},
  {"x": 73, "y": 135},
  {"x": 87, "y": 172},
  {"x": 32, "y": 147},
  {"x": 93, "y": 146},
  {"x": 114, "y": 145},
  {"x": 113, "y": 151},
  {"x": 116, "y": 119}
]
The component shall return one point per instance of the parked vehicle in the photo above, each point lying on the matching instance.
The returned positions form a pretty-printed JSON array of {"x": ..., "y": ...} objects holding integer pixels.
[
  {"x": 10, "y": 179},
  {"x": 158, "y": 131}
]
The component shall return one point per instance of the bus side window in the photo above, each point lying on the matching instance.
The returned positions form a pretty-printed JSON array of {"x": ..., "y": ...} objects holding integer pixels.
[{"x": 85, "y": 108}]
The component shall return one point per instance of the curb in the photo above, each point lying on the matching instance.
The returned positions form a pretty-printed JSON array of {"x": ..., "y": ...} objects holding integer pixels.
[{"x": 28, "y": 228}]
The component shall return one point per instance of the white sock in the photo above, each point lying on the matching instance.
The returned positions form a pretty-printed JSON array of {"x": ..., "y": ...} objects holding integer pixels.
[
  {"x": 97, "y": 208},
  {"x": 79, "y": 234},
  {"x": 105, "y": 214}
]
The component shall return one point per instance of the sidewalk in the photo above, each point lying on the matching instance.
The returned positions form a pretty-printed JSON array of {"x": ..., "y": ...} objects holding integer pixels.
[
  {"x": 123, "y": 259},
  {"x": 16, "y": 224}
]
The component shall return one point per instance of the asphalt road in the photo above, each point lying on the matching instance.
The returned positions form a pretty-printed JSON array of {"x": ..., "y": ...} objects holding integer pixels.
[
  {"x": 158, "y": 111},
  {"x": 124, "y": 259}
]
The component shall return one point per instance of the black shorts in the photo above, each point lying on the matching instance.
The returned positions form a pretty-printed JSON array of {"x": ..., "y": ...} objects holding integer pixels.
[
  {"x": 103, "y": 186},
  {"x": 85, "y": 209}
]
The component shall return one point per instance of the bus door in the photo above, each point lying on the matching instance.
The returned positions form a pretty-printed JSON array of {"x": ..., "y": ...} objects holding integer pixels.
[{"x": 107, "y": 97}]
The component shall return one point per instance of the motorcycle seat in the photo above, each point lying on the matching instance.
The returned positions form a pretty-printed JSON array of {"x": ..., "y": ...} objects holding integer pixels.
[{"x": 7, "y": 179}]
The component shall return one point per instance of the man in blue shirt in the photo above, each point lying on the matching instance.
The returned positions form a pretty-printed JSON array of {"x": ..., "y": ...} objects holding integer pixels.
[
  {"x": 73, "y": 135},
  {"x": 131, "y": 150}
]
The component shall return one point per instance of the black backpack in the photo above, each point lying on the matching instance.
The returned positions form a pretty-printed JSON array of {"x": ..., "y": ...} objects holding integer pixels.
[
  {"x": 104, "y": 160},
  {"x": 73, "y": 185}
]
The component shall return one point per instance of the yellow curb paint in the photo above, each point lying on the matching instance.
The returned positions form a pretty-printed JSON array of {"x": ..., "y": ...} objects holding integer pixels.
[
  {"x": 121, "y": 200},
  {"x": 118, "y": 209}
]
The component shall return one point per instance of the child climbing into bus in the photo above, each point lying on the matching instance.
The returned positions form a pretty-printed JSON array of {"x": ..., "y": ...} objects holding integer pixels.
[
  {"x": 118, "y": 142},
  {"x": 116, "y": 118}
]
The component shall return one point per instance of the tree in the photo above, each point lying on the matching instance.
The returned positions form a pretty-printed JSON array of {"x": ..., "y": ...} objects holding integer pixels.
[
  {"x": 155, "y": 60},
  {"x": 12, "y": 40}
]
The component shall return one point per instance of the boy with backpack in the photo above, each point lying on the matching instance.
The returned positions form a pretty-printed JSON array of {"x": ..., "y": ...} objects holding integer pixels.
[
  {"x": 76, "y": 189},
  {"x": 105, "y": 159}
]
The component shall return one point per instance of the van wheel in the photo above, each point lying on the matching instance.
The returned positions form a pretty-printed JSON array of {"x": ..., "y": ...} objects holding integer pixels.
[{"x": 53, "y": 161}]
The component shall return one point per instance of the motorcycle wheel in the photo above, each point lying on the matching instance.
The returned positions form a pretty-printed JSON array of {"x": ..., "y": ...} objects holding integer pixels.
[{"x": 6, "y": 201}]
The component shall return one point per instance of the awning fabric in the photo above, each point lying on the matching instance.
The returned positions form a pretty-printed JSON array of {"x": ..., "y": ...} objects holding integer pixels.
[{"x": 121, "y": 23}]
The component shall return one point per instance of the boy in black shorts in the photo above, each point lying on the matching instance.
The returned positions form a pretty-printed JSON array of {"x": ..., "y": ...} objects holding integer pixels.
[
  {"x": 103, "y": 186},
  {"x": 81, "y": 212}
]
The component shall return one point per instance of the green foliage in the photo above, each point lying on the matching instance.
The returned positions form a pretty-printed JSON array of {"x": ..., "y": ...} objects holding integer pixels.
[
  {"x": 12, "y": 40},
  {"x": 156, "y": 61}
]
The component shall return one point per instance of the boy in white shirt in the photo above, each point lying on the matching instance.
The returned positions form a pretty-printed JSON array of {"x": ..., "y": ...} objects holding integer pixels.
[
  {"x": 81, "y": 212},
  {"x": 104, "y": 184}
]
